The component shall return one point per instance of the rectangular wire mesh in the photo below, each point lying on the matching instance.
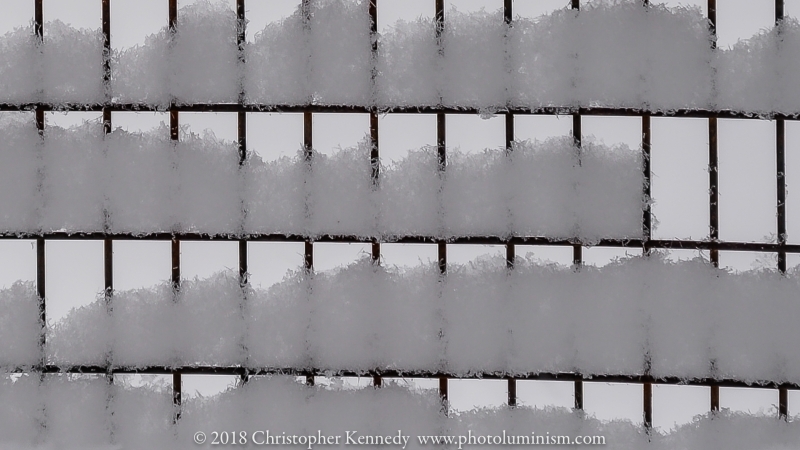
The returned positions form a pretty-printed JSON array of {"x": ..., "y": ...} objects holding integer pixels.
[{"x": 714, "y": 245}]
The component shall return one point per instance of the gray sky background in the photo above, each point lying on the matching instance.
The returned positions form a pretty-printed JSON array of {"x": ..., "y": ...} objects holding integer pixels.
[{"x": 680, "y": 183}]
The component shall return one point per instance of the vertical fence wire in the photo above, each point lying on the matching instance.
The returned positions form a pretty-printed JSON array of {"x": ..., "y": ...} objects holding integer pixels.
[
  {"x": 308, "y": 259},
  {"x": 441, "y": 147},
  {"x": 175, "y": 248},
  {"x": 374, "y": 156},
  {"x": 577, "y": 249},
  {"x": 40, "y": 244},
  {"x": 780, "y": 153},
  {"x": 713, "y": 188},
  {"x": 508, "y": 16},
  {"x": 647, "y": 387},
  {"x": 647, "y": 229},
  {"x": 577, "y": 253},
  {"x": 308, "y": 153},
  {"x": 108, "y": 243},
  {"x": 38, "y": 26},
  {"x": 241, "y": 139}
]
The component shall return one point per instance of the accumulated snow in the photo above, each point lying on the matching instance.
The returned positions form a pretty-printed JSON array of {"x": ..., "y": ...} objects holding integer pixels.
[
  {"x": 341, "y": 191},
  {"x": 84, "y": 337},
  {"x": 408, "y": 65},
  {"x": 209, "y": 197},
  {"x": 522, "y": 425},
  {"x": 549, "y": 188},
  {"x": 475, "y": 195},
  {"x": 542, "y": 329},
  {"x": 19, "y": 325},
  {"x": 72, "y": 178},
  {"x": 277, "y": 321},
  {"x": 142, "y": 416},
  {"x": 143, "y": 183},
  {"x": 288, "y": 82},
  {"x": 144, "y": 326},
  {"x": 398, "y": 329},
  {"x": 135, "y": 206},
  {"x": 680, "y": 319},
  {"x": 610, "y": 184},
  {"x": 20, "y": 70},
  {"x": 205, "y": 54},
  {"x": 194, "y": 185},
  {"x": 748, "y": 339},
  {"x": 409, "y": 195},
  {"x": 141, "y": 74},
  {"x": 276, "y": 194},
  {"x": 78, "y": 411},
  {"x": 541, "y": 189},
  {"x": 613, "y": 54},
  {"x": 21, "y": 155},
  {"x": 75, "y": 410},
  {"x": 544, "y": 61},
  {"x": 541, "y": 180},
  {"x": 610, "y": 54},
  {"x": 684, "y": 304},
  {"x": 757, "y": 75},
  {"x": 625, "y": 50},
  {"x": 21, "y": 410},
  {"x": 341, "y": 52},
  {"x": 477, "y": 332},
  {"x": 342, "y": 331},
  {"x": 203, "y": 325},
  {"x": 474, "y": 71},
  {"x": 278, "y": 402},
  {"x": 319, "y": 320},
  {"x": 678, "y": 57},
  {"x": 732, "y": 430},
  {"x": 210, "y": 318},
  {"x": 289, "y": 407},
  {"x": 73, "y": 64},
  {"x": 606, "y": 309},
  {"x": 82, "y": 181},
  {"x": 199, "y": 64},
  {"x": 408, "y": 331}
]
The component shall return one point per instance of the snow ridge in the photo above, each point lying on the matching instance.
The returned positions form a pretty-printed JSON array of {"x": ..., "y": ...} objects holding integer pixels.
[
  {"x": 86, "y": 412},
  {"x": 143, "y": 183},
  {"x": 537, "y": 318},
  {"x": 609, "y": 54}
]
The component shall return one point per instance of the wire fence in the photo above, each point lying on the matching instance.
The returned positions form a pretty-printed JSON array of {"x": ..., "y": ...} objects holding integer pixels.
[{"x": 713, "y": 244}]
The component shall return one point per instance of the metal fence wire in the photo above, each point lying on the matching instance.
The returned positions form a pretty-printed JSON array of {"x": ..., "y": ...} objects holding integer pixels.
[{"x": 714, "y": 245}]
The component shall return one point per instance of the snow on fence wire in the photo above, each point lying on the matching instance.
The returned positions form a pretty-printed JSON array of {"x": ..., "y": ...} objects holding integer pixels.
[
  {"x": 83, "y": 181},
  {"x": 613, "y": 55},
  {"x": 471, "y": 63},
  {"x": 616, "y": 320},
  {"x": 81, "y": 407}
]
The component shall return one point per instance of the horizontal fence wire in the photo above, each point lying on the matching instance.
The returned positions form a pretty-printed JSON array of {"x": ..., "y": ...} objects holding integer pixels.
[
  {"x": 481, "y": 240},
  {"x": 347, "y": 109},
  {"x": 386, "y": 374}
]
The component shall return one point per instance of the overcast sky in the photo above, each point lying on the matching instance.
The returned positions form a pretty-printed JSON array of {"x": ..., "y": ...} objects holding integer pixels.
[{"x": 680, "y": 183}]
